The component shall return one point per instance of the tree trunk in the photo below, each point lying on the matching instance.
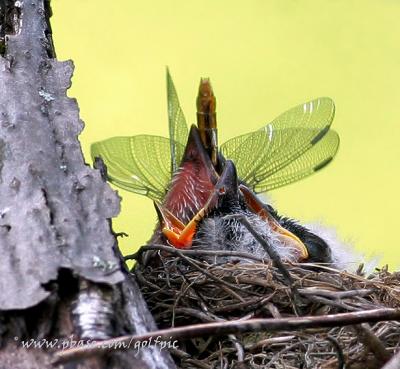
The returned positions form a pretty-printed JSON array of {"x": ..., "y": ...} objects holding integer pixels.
[{"x": 61, "y": 274}]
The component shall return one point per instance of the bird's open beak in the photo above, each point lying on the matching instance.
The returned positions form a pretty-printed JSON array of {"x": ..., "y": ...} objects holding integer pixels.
[
  {"x": 288, "y": 238},
  {"x": 191, "y": 195},
  {"x": 177, "y": 233},
  {"x": 193, "y": 183},
  {"x": 195, "y": 192}
]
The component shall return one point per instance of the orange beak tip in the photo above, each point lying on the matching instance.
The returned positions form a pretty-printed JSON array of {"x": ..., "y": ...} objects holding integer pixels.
[{"x": 178, "y": 240}]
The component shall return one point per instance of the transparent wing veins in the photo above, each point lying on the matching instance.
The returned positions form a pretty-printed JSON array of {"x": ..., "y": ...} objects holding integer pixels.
[
  {"x": 139, "y": 164},
  {"x": 178, "y": 131},
  {"x": 297, "y": 140}
]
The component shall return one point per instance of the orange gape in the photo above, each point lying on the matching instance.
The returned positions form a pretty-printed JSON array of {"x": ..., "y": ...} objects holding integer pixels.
[{"x": 178, "y": 234}]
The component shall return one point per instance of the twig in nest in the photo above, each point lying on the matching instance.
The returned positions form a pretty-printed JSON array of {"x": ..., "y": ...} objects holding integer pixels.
[
  {"x": 208, "y": 274},
  {"x": 286, "y": 349},
  {"x": 273, "y": 310},
  {"x": 268, "y": 342},
  {"x": 339, "y": 351},
  {"x": 207, "y": 316},
  {"x": 373, "y": 343},
  {"x": 230, "y": 327},
  {"x": 334, "y": 303},
  {"x": 143, "y": 280},
  {"x": 334, "y": 294},
  {"x": 254, "y": 303},
  {"x": 182, "y": 293},
  {"x": 169, "y": 249},
  {"x": 275, "y": 258}
]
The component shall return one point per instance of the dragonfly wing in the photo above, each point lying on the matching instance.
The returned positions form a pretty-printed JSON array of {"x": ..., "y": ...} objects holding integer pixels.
[
  {"x": 139, "y": 164},
  {"x": 264, "y": 153},
  {"x": 178, "y": 131},
  {"x": 314, "y": 159}
]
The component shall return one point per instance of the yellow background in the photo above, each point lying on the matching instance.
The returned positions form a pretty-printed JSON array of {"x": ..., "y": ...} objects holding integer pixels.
[{"x": 263, "y": 58}]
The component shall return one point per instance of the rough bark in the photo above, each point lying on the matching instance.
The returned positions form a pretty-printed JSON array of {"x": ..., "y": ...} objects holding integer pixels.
[{"x": 61, "y": 273}]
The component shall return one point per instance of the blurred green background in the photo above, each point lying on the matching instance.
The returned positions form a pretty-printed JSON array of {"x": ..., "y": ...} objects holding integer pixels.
[{"x": 263, "y": 57}]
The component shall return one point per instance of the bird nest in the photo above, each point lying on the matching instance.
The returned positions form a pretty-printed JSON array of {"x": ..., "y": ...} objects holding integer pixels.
[{"x": 186, "y": 287}]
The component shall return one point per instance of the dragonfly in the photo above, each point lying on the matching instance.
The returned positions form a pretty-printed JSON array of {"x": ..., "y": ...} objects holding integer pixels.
[{"x": 188, "y": 175}]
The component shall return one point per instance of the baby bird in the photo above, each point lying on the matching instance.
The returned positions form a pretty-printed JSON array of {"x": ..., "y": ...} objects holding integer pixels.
[{"x": 202, "y": 209}]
